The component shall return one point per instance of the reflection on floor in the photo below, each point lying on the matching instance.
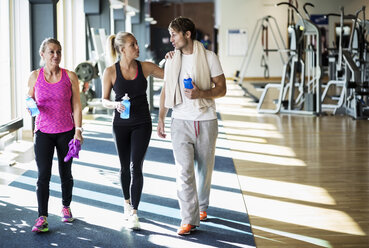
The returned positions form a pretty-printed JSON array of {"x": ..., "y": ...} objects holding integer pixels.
[
  {"x": 305, "y": 179},
  {"x": 97, "y": 200},
  {"x": 305, "y": 183}
]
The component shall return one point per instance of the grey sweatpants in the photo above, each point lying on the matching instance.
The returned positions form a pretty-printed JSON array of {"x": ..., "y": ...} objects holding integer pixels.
[{"x": 194, "y": 152}]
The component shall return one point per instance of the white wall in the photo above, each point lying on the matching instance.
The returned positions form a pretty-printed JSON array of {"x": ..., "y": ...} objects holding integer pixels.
[{"x": 243, "y": 14}]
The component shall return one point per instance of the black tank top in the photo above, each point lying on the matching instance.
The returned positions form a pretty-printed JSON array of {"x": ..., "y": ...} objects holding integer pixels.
[{"x": 136, "y": 90}]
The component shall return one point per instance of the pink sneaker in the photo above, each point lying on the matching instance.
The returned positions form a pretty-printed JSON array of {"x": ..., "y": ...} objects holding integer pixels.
[
  {"x": 41, "y": 225},
  {"x": 67, "y": 214}
]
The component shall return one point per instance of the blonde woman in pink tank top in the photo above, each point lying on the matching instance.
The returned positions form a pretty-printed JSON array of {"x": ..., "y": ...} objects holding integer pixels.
[{"x": 56, "y": 92}]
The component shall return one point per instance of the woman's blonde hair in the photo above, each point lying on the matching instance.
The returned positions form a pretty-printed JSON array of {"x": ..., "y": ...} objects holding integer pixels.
[
  {"x": 113, "y": 45},
  {"x": 43, "y": 45}
]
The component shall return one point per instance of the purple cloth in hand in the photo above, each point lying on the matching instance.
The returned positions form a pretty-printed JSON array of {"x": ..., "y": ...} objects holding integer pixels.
[{"x": 74, "y": 148}]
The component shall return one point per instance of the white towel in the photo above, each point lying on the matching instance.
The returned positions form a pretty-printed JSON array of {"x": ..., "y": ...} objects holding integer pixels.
[{"x": 201, "y": 77}]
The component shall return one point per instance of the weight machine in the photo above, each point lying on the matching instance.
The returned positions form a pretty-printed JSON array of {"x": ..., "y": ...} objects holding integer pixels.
[
  {"x": 89, "y": 71},
  {"x": 300, "y": 87},
  {"x": 261, "y": 31},
  {"x": 352, "y": 70},
  {"x": 335, "y": 67}
]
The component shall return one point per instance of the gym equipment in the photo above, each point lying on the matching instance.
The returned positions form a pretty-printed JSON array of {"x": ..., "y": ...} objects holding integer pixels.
[
  {"x": 98, "y": 37},
  {"x": 86, "y": 71},
  {"x": 91, "y": 71},
  {"x": 335, "y": 68},
  {"x": 261, "y": 30},
  {"x": 305, "y": 10},
  {"x": 301, "y": 94},
  {"x": 353, "y": 72},
  {"x": 356, "y": 103}
]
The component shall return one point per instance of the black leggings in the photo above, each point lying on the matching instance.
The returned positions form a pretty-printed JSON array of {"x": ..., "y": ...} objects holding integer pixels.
[
  {"x": 44, "y": 152},
  {"x": 131, "y": 143}
]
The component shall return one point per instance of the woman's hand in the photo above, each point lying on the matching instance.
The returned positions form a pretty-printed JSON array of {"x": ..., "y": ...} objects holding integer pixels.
[
  {"x": 78, "y": 135},
  {"x": 29, "y": 111},
  {"x": 120, "y": 107},
  {"x": 169, "y": 55}
]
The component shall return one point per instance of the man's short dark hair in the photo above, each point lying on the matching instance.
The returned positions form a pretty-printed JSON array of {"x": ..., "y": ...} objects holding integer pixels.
[{"x": 183, "y": 24}]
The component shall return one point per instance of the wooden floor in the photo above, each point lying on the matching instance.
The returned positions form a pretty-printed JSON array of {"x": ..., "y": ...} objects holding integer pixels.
[{"x": 305, "y": 179}]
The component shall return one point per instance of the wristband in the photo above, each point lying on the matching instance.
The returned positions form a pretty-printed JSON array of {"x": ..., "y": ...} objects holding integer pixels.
[{"x": 79, "y": 128}]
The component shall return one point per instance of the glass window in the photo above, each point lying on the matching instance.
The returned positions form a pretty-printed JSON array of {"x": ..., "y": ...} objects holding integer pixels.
[{"x": 5, "y": 82}]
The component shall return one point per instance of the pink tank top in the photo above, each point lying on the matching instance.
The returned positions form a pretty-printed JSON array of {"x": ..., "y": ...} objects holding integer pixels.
[{"x": 54, "y": 100}]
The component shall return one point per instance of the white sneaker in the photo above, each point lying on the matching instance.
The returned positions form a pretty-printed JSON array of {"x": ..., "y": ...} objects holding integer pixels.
[
  {"x": 133, "y": 222},
  {"x": 127, "y": 210}
]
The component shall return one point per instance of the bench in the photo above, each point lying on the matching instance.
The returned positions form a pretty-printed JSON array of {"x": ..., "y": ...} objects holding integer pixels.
[
  {"x": 6, "y": 129},
  {"x": 11, "y": 126}
]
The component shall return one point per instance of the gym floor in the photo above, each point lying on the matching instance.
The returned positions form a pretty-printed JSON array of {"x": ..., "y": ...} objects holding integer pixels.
[{"x": 305, "y": 180}]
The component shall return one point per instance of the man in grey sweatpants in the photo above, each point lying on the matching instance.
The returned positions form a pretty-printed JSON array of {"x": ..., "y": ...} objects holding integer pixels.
[{"x": 194, "y": 127}]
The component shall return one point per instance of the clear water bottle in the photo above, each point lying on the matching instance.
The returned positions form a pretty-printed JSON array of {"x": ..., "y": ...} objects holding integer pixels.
[
  {"x": 32, "y": 106},
  {"x": 187, "y": 81},
  {"x": 127, "y": 104}
]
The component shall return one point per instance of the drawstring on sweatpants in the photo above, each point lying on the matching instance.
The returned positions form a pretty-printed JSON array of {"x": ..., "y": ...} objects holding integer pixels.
[{"x": 197, "y": 129}]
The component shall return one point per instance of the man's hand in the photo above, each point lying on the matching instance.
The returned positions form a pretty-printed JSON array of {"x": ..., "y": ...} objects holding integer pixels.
[
  {"x": 161, "y": 129},
  {"x": 193, "y": 93}
]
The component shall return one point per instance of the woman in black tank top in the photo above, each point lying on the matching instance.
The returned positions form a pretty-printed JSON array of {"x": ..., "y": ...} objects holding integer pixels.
[
  {"x": 132, "y": 136},
  {"x": 136, "y": 89}
]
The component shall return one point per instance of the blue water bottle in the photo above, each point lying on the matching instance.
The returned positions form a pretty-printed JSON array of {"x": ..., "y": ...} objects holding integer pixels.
[
  {"x": 127, "y": 104},
  {"x": 32, "y": 106},
  {"x": 187, "y": 81}
]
